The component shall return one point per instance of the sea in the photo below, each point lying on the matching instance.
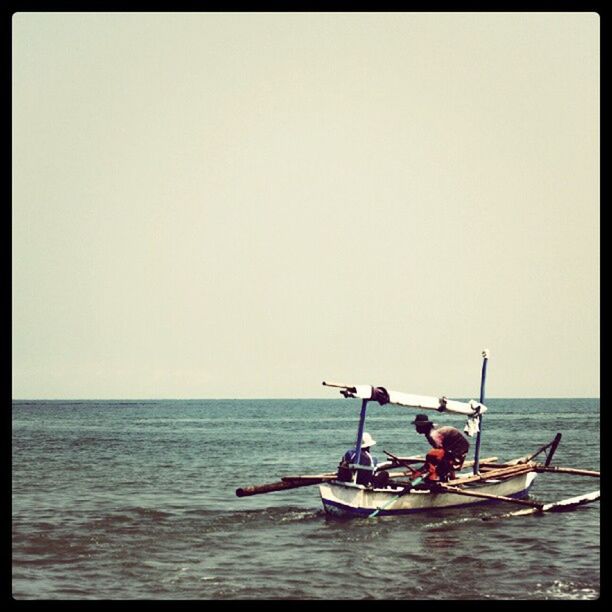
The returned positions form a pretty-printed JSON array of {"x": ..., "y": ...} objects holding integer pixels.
[{"x": 136, "y": 500}]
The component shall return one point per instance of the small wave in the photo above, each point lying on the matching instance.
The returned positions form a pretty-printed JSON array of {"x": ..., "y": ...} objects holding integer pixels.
[
  {"x": 446, "y": 523},
  {"x": 152, "y": 513},
  {"x": 275, "y": 515},
  {"x": 262, "y": 517},
  {"x": 122, "y": 518},
  {"x": 567, "y": 590},
  {"x": 304, "y": 515}
]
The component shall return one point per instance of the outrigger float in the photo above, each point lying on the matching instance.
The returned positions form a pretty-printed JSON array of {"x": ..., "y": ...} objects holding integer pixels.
[{"x": 488, "y": 480}]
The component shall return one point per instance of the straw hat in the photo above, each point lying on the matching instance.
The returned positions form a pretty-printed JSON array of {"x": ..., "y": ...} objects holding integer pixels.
[{"x": 367, "y": 440}]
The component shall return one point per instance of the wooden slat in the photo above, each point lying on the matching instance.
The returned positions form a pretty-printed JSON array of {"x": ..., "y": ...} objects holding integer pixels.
[
  {"x": 421, "y": 459},
  {"x": 505, "y": 472}
]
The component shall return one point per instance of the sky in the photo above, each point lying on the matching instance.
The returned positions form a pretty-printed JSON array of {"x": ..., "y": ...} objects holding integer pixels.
[{"x": 242, "y": 205}]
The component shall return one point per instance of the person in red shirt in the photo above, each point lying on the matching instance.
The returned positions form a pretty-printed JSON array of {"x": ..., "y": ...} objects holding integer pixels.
[{"x": 450, "y": 448}]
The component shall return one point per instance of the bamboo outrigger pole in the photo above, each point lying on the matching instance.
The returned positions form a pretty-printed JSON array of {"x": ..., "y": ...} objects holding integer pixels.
[
  {"x": 566, "y": 470},
  {"x": 457, "y": 491},
  {"x": 288, "y": 483}
]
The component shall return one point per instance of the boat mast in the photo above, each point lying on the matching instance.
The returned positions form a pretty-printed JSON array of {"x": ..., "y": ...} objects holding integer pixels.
[
  {"x": 362, "y": 417},
  {"x": 485, "y": 358}
]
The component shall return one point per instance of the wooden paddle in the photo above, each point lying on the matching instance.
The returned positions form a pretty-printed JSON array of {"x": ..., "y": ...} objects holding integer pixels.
[{"x": 400, "y": 461}]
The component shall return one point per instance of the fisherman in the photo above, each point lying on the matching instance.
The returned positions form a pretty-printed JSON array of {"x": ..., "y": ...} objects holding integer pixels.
[
  {"x": 366, "y": 459},
  {"x": 450, "y": 448}
]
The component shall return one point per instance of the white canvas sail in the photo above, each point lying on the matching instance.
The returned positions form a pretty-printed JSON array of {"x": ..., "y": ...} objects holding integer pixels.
[
  {"x": 425, "y": 402},
  {"x": 436, "y": 403}
]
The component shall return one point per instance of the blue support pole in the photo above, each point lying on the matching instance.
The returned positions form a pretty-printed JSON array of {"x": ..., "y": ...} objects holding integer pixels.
[
  {"x": 360, "y": 429},
  {"x": 485, "y": 355}
]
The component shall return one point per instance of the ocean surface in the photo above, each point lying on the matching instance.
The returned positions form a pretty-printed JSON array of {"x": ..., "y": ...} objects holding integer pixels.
[{"x": 136, "y": 500}]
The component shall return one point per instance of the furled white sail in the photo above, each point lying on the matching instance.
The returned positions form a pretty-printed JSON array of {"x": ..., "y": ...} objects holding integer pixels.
[
  {"x": 442, "y": 404},
  {"x": 426, "y": 402}
]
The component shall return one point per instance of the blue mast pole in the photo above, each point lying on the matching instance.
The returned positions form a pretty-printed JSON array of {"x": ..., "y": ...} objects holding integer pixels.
[
  {"x": 360, "y": 429},
  {"x": 485, "y": 358}
]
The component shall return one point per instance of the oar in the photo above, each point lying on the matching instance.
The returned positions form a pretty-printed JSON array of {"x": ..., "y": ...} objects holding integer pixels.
[
  {"x": 407, "y": 489},
  {"x": 400, "y": 461}
]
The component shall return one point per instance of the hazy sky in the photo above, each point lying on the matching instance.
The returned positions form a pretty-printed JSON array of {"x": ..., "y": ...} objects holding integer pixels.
[{"x": 245, "y": 204}]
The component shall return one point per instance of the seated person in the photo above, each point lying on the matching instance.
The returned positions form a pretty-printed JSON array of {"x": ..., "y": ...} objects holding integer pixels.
[{"x": 364, "y": 477}]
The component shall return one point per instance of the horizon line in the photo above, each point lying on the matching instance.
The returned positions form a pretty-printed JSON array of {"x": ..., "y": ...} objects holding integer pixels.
[{"x": 157, "y": 399}]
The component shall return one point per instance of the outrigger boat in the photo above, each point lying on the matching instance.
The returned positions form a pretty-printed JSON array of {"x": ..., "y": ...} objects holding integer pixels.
[{"x": 488, "y": 480}]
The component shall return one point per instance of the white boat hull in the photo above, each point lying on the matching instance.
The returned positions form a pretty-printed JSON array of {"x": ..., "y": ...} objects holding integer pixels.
[{"x": 349, "y": 499}]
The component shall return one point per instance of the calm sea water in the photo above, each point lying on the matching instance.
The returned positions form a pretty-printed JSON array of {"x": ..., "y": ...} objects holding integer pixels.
[{"x": 136, "y": 499}]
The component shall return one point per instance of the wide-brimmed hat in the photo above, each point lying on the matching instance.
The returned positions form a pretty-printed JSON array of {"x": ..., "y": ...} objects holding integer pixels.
[
  {"x": 367, "y": 440},
  {"x": 421, "y": 419}
]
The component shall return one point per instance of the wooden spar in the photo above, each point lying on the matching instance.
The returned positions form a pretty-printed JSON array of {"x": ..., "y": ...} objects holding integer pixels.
[
  {"x": 448, "y": 489},
  {"x": 421, "y": 459},
  {"x": 525, "y": 459},
  {"x": 484, "y": 466},
  {"x": 280, "y": 486},
  {"x": 338, "y": 385},
  {"x": 505, "y": 472},
  {"x": 565, "y": 470},
  {"x": 552, "y": 444},
  {"x": 495, "y": 473},
  {"x": 486, "y": 460},
  {"x": 553, "y": 448}
]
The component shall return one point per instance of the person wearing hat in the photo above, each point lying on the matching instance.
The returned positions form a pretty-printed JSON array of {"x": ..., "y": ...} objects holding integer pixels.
[
  {"x": 450, "y": 448},
  {"x": 366, "y": 459}
]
